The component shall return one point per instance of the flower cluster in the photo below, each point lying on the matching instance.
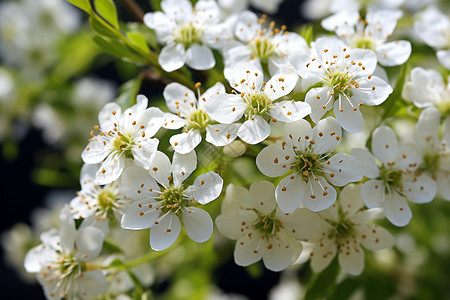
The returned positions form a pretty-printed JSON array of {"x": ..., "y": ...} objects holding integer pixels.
[{"x": 289, "y": 103}]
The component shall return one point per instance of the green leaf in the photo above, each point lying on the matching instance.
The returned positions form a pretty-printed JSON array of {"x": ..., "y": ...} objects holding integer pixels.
[
  {"x": 344, "y": 289},
  {"x": 100, "y": 28},
  {"x": 128, "y": 92},
  {"x": 395, "y": 100},
  {"x": 82, "y": 4},
  {"x": 107, "y": 9},
  {"x": 138, "y": 40},
  {"x": 118, "y": 48},
  {"x": 116, "y": 263},
  {"x": 307, "y": 33},
  {"x": 323, "y": 283},
  {"x": 110, "y": 247}
]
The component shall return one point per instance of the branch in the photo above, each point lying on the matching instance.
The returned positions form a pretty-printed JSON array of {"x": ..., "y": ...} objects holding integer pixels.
[{"x": 134, "y": 9}]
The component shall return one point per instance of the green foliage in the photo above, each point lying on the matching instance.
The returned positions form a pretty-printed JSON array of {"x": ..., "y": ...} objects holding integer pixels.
[
  {"x": 82, "y": 4},
  {"x": 107, "y": 10},
  {"x": 322, "y": 284}
]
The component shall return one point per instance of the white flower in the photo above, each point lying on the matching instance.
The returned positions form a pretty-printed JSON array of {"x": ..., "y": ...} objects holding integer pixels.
[
  {"x": 93, "y": 200},
  {"x": 262, "y": 231},
  {"x": 371, "y": 33},
  {"x": 257, "y": 100},
  {"x": 160, "y": 208},
  {"x": 123, "y": 136},
  {"x": 347, "y": 81},
  {"x": 188, "y": 33},
  {"x": 191, "y": 115},
  {"x": 263, "y": 44},
  {"x": 268, "y": 6},
  {"x": 433, "y": 27},
  {"x": 396, "y": 179},
  {"x": 345, "y": 227},
  {"x": 60, "y": 261},
  {"x": 436, "y": 154},
  {"x": 305, "y": 156},
  {"x": 317, "y": 9},
  {"x": 425, "y": 88}
]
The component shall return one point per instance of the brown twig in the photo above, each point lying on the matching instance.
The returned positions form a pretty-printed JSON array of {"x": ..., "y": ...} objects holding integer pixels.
[{"x": 134, "y": 9}]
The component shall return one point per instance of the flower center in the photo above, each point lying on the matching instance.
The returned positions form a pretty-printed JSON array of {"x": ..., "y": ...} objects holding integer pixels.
[
  {"x": 306, "y": 164},
  {"x": 258, "y": 103},
  {"x": 391, "y": 178},
  {"x": 268, "y": 226},
  {"x": 106, "y": 200},
  {"x": 188, "y": 34},
  {"x": 340, "y": 83},
  {"x": 173, "y": 200},
  {"x": 198, "y": 119},
  {"x": 124, "y": 143},
  {"x": 262, "y": 47},
  {"x": 364, "y": 43},
  {"x": 430, "y": 163}
]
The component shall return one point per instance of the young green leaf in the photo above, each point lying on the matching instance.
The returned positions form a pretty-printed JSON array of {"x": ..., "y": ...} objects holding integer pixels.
[
  {"x": 107, "y": 9},
  {"x": 82, "y": 4}
]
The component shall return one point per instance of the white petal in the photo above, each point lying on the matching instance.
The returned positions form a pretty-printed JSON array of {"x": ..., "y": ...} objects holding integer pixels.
[
  {"x": 304, "y": 222},
  {"x": 246, "y": 251},
  {"x": 179, "y": 99},
  {"x": 172, "y": 121},
  {"x": 165, "y": 232},
  {"x": 373, "y": 193},
  {"x": 319, "y": 196},
  {"x": 444, "y": 58},
  {"x": 393, "y": 53},
  {"x": 371, "y": 91},
  {"x": 96, "y": 151},
  {"x": 305, "y": 66},
  {"x": 419, "y": 189},
  {"x": 326, "y": 135},
  {"x": 221, "y": 134},
  {"x": 143, "y": 152},
  {"x": 225, "y": 108},
  {"x": 344, "y": 18},
  {"x": 396, "y": 209},
  {"x": 172, "y": 57},
  {"x": 93, "y": 282},
  {"x": 262, "y": 197},
  {"x": 367, "y": 162},
  {"x": 160, "y": 168},
  {"x": 108, "y": 116},
  {"x": 297, "y": 135},
  {"x": 111, "y": 169},
  {"x": 87, "y": 174},
  {"x": 246, "y": 26},
  {"x": 237, "y": 198},
  {"x": 206, "y": 188},
  {"x": 89, "y": 243},
  {"x": 230, "y": 224},
  {"x": 374, "y": 237},
  {"x": 182, "y": 166},
  {"x": 198, "y": 224},
  {"x": 93, "y": 221},
  {"x": 322, "y": 254},
  {"x": 254, "y": 130},
  {"x": 409, "y": 157},
  {"x": 289, "y": 111},
  {"x": 273, "y": 161},
  {"x": 136, "y": 184},
  {"x": 290, "y": 193},
  {"x": 67, "y": 230},
  {"x": 245, "y": 77},
  {"x": 36, "y": 257},
  {"x": 345, "y": 169},
  {"x": 216, "y": 89},
  {"x": 351, "y": 257},
  {"x": 367, "y": 58},
  {"x": 281, "y": 83},
  {"x": 278, "y": 255},
  {"x": 345, "y": 113},
  {"x": 320, "y": 101},
  {"x": 350, "y": 199},
  {"x": 443, "y": 184},
  {"x": 141, "y": 214},
  {"x": 186, "y": 142},
  {"x": 384, "y": 144},
  {"x": 200, "y": 57}
]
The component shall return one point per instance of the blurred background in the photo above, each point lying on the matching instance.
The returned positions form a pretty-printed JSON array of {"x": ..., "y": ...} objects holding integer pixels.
[{"x": 54, "y": 80}]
